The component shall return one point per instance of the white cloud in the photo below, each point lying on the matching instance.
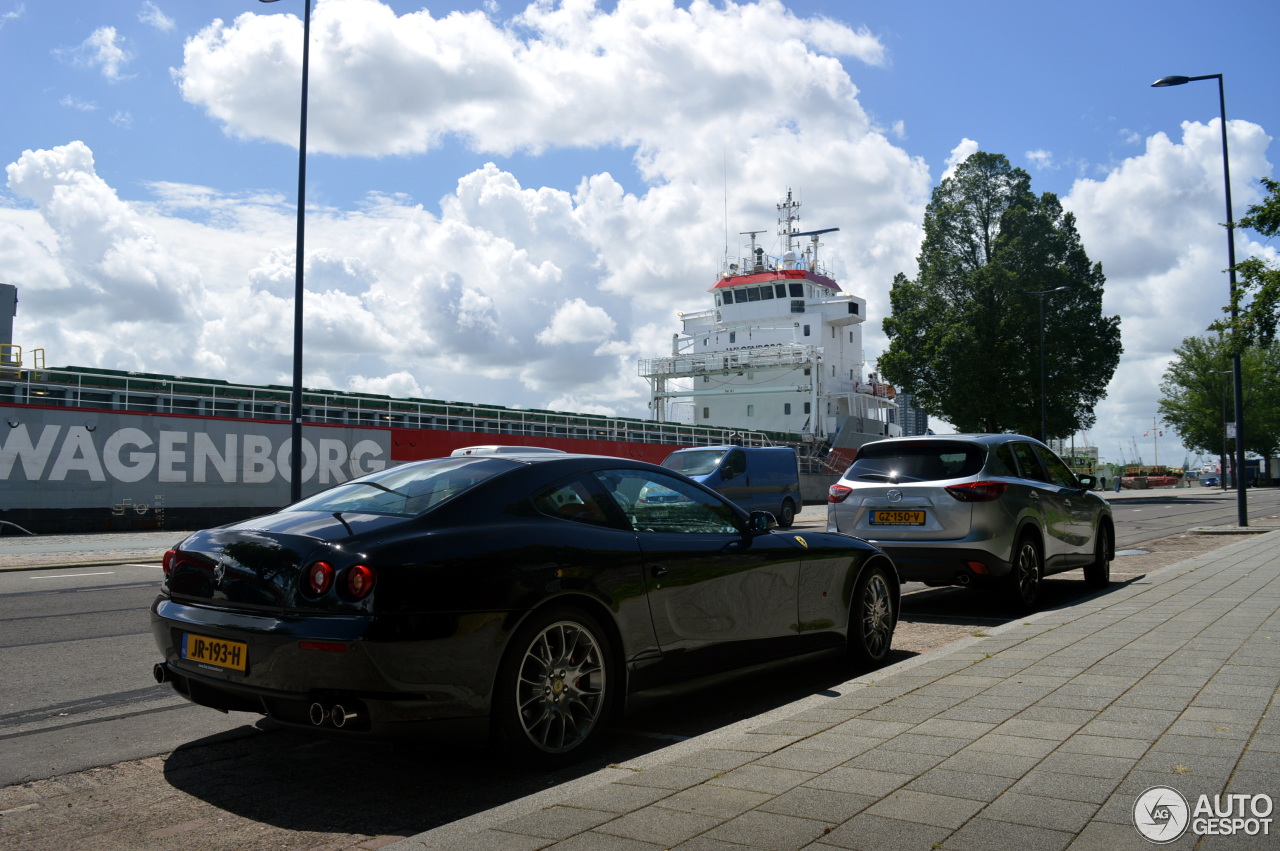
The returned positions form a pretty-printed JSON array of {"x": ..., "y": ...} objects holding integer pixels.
[
  {"x": 575, "y": 321},
  {"x": 151, "y": 15},
  {"x": 1154, "y": 222},
  {"x": 73, "y": 102},
  {"x": 556, "y": 75},
  {"x": 1041, "y": 158},
  {"x": 961, "y": 152},
  {"x": 103, "y": 50},
  {"x": 13, "y": 14}
]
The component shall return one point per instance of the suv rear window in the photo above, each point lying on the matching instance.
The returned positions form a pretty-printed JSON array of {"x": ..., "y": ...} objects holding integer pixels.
[{"x": 916, "y": 461}]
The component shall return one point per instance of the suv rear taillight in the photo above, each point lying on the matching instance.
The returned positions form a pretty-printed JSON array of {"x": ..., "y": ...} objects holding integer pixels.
[
  {"x": 838, "y": 493},
  {"x": 977, "y": 491}
]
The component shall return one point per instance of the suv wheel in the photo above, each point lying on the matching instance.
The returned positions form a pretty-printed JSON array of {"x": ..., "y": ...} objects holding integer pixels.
[
  {"x": 1097, "y": 574},
  {"x": 1024, "y": 581}
]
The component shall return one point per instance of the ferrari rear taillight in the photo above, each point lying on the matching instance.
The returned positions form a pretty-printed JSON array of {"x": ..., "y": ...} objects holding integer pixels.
[
  {"x": 166, "y": 565},
  {"x": 977, "y": 491},
  {"x": 838, "y": 493},
  {"x": 359, "y": 581},
  {"x": 319, "y": 577}
]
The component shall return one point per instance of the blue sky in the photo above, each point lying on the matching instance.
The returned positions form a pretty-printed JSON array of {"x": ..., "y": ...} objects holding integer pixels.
[{"x": 509, "y": 203}]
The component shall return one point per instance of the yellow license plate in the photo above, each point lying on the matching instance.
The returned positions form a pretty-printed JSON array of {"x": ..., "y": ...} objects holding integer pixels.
[
  {"x": 215, "y": 651},
  {"x": 897, "y": 518}
]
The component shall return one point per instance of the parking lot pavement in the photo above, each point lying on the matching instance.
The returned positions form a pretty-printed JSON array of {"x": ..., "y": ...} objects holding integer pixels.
[{"x": 1075, "y": 728}]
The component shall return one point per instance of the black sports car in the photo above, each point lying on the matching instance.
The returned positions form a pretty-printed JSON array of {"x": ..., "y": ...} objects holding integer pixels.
[{"x": 529, "y": 593}]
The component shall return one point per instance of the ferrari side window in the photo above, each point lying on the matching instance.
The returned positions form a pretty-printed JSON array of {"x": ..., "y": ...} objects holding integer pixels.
[
  {"x": 572, "y": 501},
  {"x": 657, "y": 503}
]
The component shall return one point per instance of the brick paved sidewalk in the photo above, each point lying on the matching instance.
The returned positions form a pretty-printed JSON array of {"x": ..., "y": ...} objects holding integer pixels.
[{"x": 1041, "y": 735}]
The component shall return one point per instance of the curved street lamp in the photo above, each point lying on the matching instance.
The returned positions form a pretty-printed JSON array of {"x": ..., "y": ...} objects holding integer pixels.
[
  {"x": 1242, "y": 499},
  {"x": 295, "y": 398},
  {"x": 1044, "y": 388}
]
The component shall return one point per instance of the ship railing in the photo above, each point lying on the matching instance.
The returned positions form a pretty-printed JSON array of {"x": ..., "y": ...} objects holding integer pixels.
[
  {"x": 765, "y": 357},
  {"x": 175, "y": 395}
]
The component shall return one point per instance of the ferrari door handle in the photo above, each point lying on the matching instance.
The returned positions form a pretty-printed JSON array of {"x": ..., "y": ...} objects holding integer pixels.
[{"x": 658, "y": 571}]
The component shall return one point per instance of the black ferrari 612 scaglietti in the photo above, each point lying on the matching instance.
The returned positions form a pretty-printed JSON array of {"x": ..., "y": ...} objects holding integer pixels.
[{"x": 527, "y": 595}]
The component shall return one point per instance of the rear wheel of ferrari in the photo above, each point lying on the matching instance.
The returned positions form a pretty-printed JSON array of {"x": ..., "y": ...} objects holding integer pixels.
[
  {"x": 871, "y": 618},
  {"x": 555, "y": 686}
]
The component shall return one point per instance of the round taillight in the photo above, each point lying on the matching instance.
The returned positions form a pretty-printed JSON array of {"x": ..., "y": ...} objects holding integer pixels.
[
  {"x": 319, "y": 577},
  {"x": 359, "y": 581},
  {"x": 838, "y": 493},
  {"x": 166, "y": 565}
]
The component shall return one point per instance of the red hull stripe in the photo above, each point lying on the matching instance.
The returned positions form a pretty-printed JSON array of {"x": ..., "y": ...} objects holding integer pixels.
[{"x": 413, "y": 444}]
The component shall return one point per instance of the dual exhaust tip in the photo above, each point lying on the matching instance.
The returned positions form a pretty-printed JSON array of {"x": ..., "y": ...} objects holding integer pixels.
[{"x": 336, "y": 715}]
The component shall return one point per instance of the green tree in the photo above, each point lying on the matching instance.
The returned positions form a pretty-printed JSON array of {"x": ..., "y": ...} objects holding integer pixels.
[
  {"x": 1257, "y": 295},
  {"x": 964, "y": 335},
  {"x": 1197, "y": 396}
]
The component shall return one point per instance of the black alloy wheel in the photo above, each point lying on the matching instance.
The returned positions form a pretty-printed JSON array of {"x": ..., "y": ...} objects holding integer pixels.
[
  {"x": 555, "y": 686},
  {"x": 1097, "y": 574},
  {"x": 871, "y": 618},
  {"x": 1026, "y": 577}
]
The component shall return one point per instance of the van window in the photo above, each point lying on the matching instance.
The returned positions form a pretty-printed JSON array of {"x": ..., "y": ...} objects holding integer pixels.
[{"x": 695, "y": 462}]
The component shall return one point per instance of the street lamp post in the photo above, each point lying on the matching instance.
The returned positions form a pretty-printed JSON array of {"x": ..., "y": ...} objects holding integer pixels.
[
  {"x": 295, "y": 399},
  {"x": 1222, "y": 476},
  {"x": 1044, "y": 388},
  {"x": 1242, "y": 499}
]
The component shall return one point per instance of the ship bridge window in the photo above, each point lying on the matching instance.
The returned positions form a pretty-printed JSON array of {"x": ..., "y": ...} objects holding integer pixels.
[
  {"x": 853, "y": 308},
  {"x": 780, "y": 290},
  {"x": 766, "y": 293},
  {"x": 718, "y": 299},
  {"x": 797, "y": 290},
  {"x": 753, "y": 294}
]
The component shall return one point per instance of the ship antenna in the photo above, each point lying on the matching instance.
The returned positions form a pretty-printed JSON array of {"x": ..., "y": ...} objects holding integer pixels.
[
  {"x": 724, "y": 159},
  {"x": 755, "y": 261},
  {"x": 788, "y": 215}
]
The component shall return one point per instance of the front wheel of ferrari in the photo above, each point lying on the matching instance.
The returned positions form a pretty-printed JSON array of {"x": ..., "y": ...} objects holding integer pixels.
[{"x": 555, "y": 686}]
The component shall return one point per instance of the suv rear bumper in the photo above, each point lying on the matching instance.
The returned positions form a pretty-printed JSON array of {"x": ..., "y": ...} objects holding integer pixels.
[{"x": 946, "y": 566}]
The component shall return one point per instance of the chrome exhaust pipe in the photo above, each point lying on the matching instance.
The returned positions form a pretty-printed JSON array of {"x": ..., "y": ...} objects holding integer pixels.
[
  {"x": 341, "y": 716},
  {"x": 962, "y": 579},
  {"x": 319, "y": 714},
  {"x": 160, "y": 672}
]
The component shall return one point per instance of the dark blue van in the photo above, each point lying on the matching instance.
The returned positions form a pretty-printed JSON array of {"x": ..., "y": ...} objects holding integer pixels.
[{"x": 757, "y": 478}]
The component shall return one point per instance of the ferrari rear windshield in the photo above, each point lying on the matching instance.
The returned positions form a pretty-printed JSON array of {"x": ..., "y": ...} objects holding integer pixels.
[{"x": 407, "y": 490}]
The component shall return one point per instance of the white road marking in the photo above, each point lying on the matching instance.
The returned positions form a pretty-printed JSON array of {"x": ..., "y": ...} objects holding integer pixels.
[{"x": 74, "y": 575}]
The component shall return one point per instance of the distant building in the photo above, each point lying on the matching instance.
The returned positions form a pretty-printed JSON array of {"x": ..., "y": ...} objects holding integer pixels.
[{"x": 911, "y": 418}]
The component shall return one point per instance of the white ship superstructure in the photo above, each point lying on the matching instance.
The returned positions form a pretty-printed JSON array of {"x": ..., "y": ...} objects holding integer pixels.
[{"x": 781, "y": 350}]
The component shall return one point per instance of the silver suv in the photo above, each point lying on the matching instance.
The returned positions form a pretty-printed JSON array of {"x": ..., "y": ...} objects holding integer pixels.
[{"x": 999, "y": 510}]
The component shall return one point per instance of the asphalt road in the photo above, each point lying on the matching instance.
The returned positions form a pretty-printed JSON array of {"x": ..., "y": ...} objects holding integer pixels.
[{"x": 76, "y": 654}]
